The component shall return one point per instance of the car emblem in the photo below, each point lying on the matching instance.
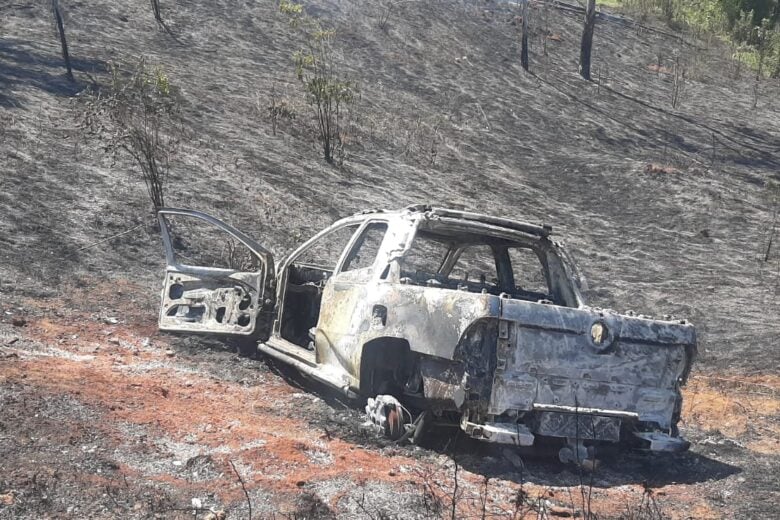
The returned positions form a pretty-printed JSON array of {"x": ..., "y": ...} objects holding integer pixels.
[{"x": 599, "y": 334}]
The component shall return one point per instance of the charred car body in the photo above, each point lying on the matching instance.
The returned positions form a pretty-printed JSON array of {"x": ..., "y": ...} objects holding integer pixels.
[{"x": 468, "y": 317}]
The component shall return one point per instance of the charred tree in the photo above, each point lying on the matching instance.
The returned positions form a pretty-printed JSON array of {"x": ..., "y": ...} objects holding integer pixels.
[
  {"x": 587, "y": 39},
  {"x": 524, "y": 37},
  {"x": 156, "y": 10},
  {"x": 55, "y": 7}
]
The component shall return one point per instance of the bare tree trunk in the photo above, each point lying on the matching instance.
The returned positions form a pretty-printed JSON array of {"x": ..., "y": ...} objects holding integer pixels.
[
  {"x": 775, "y": 218},
  {"x": 587, "y": 39},
  {"x": 524, "y": 37},
  {"x": 156, "y": 9},
  {"x": 55, "y": 6}
]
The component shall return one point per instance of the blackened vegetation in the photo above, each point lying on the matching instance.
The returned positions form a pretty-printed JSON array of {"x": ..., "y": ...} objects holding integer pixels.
[
  {"x": 325, "y": 85},
  {"x": 137, "y": 115}
]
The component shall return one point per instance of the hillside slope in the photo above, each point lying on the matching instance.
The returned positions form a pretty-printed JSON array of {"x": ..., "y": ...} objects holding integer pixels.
[
  {"x": 544, "y": 146},
  {"x": 667, "y": 209}
]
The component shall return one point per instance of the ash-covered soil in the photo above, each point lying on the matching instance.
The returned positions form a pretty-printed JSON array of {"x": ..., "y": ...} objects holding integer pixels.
[
  {"x": 104, "y": 417},
  {"x": 667, "y": 209}
]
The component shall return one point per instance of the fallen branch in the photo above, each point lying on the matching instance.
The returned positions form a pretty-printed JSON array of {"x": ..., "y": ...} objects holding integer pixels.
[{"x": 243, "y": 486}]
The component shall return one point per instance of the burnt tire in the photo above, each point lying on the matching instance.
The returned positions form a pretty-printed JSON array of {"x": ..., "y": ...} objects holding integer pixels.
[{"x": 394, "y": 424}]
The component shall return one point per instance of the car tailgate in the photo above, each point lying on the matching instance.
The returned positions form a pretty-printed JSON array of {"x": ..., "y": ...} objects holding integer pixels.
[{"x": 590, "y": 361}]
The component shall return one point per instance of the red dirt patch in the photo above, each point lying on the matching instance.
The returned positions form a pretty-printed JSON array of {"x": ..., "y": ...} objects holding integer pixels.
[
  {"x": 179, "y": 404},
  {"x": 115, "y": 370},
  {"x": 736, "y": 406}
]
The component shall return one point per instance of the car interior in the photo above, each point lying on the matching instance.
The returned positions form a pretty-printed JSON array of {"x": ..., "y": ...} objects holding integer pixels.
[
  {"x": 456, "y": 261},
  {"x": 306, "y": 278},
  {"x": 477, "y": 264}
]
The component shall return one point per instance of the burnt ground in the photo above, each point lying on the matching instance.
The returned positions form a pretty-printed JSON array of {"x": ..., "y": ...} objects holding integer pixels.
[
  {"x": 667, "y": 209},
  {"x": 105, "y": 419}
]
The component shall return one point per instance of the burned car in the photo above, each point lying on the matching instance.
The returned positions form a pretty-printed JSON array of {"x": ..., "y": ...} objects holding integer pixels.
[{"x": 474, "y": 319}]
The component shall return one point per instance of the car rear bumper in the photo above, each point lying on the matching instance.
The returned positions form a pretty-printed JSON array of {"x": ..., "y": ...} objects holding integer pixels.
[{"x": 578, "y": 427}]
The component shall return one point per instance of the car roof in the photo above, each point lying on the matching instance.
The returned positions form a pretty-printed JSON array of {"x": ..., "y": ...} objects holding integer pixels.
[{"x": 453, "y": 215}]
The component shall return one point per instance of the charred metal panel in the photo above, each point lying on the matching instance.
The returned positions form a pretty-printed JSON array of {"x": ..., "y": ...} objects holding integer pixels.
[
  {"x": 554, "y": 358},
  {"x": 442, "y": 383},
  {"x": 512, "y": 393},
  {"x": 577, "y": 426},
  {"x": 432, "y": 319},
  {"x": 214, "y": 301},
  {"x": 343, "y": 314},
  {"x": 476, "y": 351}
]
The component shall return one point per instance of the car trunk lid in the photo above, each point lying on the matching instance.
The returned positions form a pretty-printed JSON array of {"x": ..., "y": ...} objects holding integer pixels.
[{"x": 591, "y": 361}]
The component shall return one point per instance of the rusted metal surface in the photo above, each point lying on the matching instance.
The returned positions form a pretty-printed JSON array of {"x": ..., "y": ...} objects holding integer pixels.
[{"x": 511, "y": 362}]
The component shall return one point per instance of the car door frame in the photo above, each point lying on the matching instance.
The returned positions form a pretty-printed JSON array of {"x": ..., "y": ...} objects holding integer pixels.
[
  {"x": 283, "y": 268},
  {"x": 264, "y": 278},
  {"x": 349, "y": 358}
]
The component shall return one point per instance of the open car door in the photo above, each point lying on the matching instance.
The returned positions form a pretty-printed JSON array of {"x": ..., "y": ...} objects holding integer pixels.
[{"x": 217, "y": 279}]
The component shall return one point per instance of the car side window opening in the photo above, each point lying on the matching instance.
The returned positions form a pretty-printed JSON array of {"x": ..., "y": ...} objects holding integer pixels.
[
  {"x": 324, "y": 253},
  {"x": 440, "y": 261},
  {"x": 483, "y": 264},
  {"x": 366, "y": 248},
  {"x": 528, "y": 272},
  {"x": 306, "y": 278},
  {"x": 424, "y": 259},
  {"x": 476, "y": 264},
  {"x": 196, "y": 242}
]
